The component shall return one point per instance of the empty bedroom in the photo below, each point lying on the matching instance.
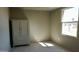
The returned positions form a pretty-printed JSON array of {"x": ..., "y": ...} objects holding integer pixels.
[{"x": 39, "y": 29}]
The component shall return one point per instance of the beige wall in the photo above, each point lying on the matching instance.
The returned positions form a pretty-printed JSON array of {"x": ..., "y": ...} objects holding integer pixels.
[
  {"x": 68, "y": 42},
  {"x": 39, "y": 25},
  {"x": 4, "y": 29},
  {"x": 16, "y": 13}
]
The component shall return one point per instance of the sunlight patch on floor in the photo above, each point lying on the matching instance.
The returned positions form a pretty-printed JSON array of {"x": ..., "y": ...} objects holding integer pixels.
[
  {"x": 45, "y": 44},
  {"x": 42, "y": 44},
  {"x": 49, "y": 44}
]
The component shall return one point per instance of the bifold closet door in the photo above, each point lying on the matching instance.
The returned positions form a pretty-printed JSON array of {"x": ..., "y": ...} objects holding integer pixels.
[
  {"x": 24, "y": 32},
  {"x": 20, "y": 35},
  {"x": 15, "y": 32}
]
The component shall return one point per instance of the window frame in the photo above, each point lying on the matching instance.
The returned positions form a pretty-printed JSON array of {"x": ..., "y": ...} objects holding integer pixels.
[{"x": 62, "y": 13}]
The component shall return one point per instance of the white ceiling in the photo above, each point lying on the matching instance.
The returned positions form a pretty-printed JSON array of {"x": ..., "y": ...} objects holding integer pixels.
[{"x": 40, "y": 8}]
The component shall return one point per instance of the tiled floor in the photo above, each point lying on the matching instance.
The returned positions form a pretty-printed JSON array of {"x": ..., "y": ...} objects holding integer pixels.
[{"x": 39, "y": 47}]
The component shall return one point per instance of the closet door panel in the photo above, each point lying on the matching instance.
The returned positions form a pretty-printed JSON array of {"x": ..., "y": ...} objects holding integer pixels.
[
  {"x": 16, "y": 34},
  {"x": 24, "y": 32}
]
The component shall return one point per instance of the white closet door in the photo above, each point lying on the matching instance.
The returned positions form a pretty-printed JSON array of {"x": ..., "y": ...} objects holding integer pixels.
[
  {"x": 15, "y": 31},
  {"x": 20, "y": 34},
  {"x": 24, "y": 33}
]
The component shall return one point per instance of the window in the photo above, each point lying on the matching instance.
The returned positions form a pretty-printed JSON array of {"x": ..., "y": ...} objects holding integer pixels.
[{"x": 70, "y": 21}]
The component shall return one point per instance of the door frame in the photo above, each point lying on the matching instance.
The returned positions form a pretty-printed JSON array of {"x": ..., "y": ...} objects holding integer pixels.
[{"x": 10, "y": 32}]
